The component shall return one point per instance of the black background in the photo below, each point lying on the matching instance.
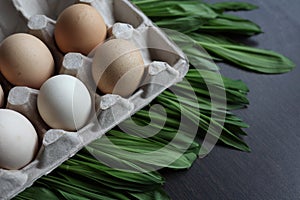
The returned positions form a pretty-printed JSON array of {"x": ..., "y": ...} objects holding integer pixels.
[{"x": 272, "y": 169}]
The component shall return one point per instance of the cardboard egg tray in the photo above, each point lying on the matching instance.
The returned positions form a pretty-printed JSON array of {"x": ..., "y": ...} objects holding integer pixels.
[{"x": 165, "y": 65}]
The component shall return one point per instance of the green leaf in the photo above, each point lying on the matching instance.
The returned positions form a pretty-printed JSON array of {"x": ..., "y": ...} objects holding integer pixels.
[
  {"x": 183, "y": 24},
  {"x": 197, "y": 56},
  {"x": 232, "y": 6},
  {"x": 156, "y": 8},
  {"x": 258, "y": 60},
  {"x": 158, "y": 194},
  {"x": 37, "y": 192},
  {"x": 230, "y": 24},
  {"x": 69, "y": 196}
]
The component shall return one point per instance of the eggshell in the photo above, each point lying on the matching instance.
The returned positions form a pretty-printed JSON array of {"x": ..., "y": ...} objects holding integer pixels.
[
  {"x": 25, "y": 60},
  {"x": 64, "y": 103},
  {"x": 1, "y": 97},
  {"x": 18, "y": 140},
  {"x": 79, "y": 28},
  {"x": 118, "y": 67}
]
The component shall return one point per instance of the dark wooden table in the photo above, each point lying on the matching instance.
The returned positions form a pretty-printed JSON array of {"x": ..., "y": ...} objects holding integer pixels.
[{"x": 272, "y": 169}]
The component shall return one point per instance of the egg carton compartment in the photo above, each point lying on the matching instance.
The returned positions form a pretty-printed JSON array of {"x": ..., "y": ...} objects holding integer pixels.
[
  {"x": 15, "y": 14},
  {"x": 10, "y": 20},
  {"x": 165, "y": 64},
  {"x": 111, "y": 10},
  {"x": 56, "y": 146},
  {"x": 39, "y": 17}
]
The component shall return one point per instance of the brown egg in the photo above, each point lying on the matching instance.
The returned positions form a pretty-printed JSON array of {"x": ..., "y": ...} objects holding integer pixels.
[
  {"x": 25, "y": 60},
  {"x": 79, "y": 28},
  {"x": 118, "y": 67},
  {"x": 1, "y": 97}
]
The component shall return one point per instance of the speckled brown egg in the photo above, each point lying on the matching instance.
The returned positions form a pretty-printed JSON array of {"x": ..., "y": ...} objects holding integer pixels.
[
  {"x": 118, "y": 67},
  {"x": 25, "y": 60},
  {"x": 79, "y": 28}
]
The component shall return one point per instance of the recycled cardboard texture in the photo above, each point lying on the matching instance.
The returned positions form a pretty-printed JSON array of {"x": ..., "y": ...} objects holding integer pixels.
[{"x": 165, "y": 65}]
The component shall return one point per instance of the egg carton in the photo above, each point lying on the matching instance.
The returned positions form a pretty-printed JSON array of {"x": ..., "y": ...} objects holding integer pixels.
[{"x": 165, "y": 65}]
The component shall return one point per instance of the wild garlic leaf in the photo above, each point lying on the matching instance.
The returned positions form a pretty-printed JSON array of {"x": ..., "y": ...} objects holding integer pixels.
[
  {"x": 186, "y": 24},
  {"x": 232, "y": 6},
  {"x": 184, "y": 8},
  {"x": 230, "y": 24},
  {"x": 250, "y": 58},
  {"x": 197, "y": 55},
  {"x": 217, "y": 23},
  {"x": 37, "y": 192},
  {"x": 157, "y": 194}
]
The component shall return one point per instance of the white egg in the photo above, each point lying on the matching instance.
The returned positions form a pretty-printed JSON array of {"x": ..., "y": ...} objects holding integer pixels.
[
  {"x": 64, "y": 103},
  {"x": 18, "y": 140}
]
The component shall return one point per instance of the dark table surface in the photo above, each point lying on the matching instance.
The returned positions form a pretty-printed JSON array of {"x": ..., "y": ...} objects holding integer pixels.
[{"x": 272, "y": 169}]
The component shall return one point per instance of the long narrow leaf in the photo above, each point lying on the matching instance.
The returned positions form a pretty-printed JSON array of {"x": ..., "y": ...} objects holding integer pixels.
[
  {"x": 250, "y": 58},
  {"x": 232, "y": 6}
]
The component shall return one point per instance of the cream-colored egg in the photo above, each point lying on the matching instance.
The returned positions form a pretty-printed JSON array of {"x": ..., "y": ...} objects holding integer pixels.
[
  {"x": 25, "y": 60},
  {"x": 79, "y": 28},
  {"x": 1, "y": 97},
  {"x": 18, "y": 140},
  {"x": 118, "y": 67},
  {"x": 64, "y": 103}
]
